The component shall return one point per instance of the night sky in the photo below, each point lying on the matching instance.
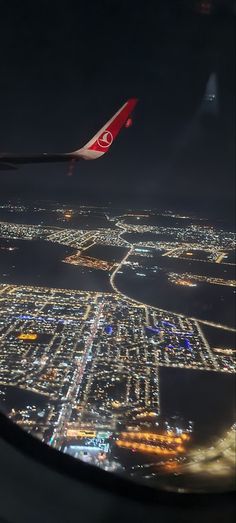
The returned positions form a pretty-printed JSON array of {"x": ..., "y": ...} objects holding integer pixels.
[{"x": 67, "y": 67}]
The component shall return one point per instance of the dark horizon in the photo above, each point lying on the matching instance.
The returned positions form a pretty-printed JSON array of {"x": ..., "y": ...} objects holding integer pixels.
[{"x": 224, "y": 214}]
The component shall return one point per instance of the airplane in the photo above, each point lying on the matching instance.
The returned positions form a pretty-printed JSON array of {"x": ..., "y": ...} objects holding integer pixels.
[{"x": 95, "y": 148}]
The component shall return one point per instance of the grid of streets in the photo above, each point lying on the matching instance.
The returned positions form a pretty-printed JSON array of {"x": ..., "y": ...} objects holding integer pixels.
[
  {"x": 76, "y": 364},
  {"x": 94, "y": 357}
]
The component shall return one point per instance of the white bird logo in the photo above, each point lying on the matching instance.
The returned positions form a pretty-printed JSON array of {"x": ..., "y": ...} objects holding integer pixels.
[{"x": 106, "y": 139}]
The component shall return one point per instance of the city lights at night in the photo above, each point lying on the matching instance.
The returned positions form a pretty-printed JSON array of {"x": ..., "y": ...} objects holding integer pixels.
[
  {"x": 117, "y": 261},
  {"x": 93, "y": 360}
]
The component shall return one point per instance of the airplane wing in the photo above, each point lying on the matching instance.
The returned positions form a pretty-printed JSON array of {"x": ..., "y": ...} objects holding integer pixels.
[{"x": 95, "y": 148}]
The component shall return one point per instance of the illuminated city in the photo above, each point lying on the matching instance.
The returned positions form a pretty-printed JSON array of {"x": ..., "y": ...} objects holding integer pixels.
[
  {"x": 89, "y": 363},
  {"x": 117, "y": 261}
]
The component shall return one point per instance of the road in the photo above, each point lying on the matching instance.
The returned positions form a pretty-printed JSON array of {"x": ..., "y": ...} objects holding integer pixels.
[{"x": 72, "y": 393}]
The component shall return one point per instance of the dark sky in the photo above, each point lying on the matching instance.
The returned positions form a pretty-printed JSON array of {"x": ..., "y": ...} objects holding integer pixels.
[{"x": 67, "y": 67}]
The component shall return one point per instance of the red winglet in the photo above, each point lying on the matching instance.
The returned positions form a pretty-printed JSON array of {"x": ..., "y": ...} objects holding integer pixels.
[{"x": 104, "y": 138}]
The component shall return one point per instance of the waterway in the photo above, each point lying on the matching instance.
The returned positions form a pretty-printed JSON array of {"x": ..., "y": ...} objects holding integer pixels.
[
  {"x": 106, "y": 253},
  {"x": 39, "y": 263},
  {"x": 209, "y": 302}
]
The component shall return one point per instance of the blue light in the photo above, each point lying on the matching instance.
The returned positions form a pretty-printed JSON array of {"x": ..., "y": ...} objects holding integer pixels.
[
  {"x": 168, "y": 323},
  {"x": 108, "y": 329},
  {"x": 187, "y": 344},
  {"x": 152, "y": 329}
]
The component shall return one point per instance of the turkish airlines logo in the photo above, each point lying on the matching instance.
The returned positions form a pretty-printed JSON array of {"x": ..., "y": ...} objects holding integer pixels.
[{"x": 105, "y": 139}]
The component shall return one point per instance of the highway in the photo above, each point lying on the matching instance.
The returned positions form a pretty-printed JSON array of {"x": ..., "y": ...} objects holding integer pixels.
[{"x": 70, "y": 399}]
